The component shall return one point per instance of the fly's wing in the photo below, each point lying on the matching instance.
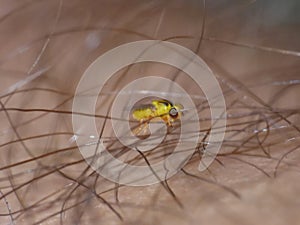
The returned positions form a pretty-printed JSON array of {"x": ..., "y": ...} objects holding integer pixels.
[
  {"x": 142, "y": 130},
  {"x": 164, "y": 102},
  {"x": 144, "y": 106},
  {"x": 154, "y": 105}
]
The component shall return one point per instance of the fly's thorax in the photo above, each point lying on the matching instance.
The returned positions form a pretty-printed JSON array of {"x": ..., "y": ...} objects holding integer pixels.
[{"x": 162, "y": 107}]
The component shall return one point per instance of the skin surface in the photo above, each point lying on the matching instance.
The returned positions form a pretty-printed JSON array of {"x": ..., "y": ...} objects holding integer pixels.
[{"x": 253, "y": 49}]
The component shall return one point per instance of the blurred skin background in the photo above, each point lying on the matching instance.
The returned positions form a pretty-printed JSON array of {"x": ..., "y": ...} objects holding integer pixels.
[{"x": 253, "y": 49}]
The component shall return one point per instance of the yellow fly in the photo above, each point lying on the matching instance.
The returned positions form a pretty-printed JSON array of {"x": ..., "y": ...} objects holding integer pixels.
[{"x": 162, "y": 108}]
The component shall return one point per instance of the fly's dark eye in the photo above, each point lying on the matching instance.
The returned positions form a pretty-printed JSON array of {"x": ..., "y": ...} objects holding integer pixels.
[{"x": 173, "y": 112}]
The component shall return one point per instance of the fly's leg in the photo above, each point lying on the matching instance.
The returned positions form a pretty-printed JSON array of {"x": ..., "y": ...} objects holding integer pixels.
[{"x": 168, "y": 121}]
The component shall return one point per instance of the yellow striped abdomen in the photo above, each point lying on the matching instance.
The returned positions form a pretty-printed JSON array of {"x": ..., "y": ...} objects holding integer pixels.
[{"x": 143, "y": 114}]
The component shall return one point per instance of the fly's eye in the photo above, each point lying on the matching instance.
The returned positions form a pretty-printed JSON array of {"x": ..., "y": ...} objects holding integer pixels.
[{"x": 173, "y": 112}]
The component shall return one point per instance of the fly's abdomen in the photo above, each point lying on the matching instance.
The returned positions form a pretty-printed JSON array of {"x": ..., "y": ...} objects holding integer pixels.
[{"x": 143, "y": 114}]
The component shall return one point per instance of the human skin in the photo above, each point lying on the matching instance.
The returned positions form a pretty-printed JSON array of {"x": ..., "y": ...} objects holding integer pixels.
[{"x": 253, "y": 49}]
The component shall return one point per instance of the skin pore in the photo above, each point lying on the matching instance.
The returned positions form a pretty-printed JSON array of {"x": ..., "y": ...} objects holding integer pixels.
[{"x": 253, "y": 49}]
